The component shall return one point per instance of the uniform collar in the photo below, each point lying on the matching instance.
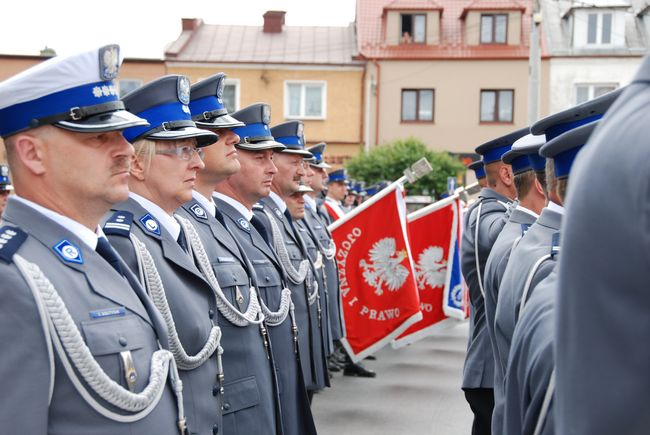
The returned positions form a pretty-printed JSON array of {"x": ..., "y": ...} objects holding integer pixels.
[
  {"x": 84, "y": 234},
  {"x": 555, "y": 207},
  {"x": 241, "y": 208},
  {"x": 526, "y": 210},
  {"x": 207, "y": 204},
  {"x": 167, "y": 221},
  {"x": 279, "y": 202}
]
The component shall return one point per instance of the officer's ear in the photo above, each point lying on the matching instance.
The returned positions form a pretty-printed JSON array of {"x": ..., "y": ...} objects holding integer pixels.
[
  {"x": 28, "y": 150},
  {"x": 138, "y": 168},
  {"x": 506, "y": 175}
]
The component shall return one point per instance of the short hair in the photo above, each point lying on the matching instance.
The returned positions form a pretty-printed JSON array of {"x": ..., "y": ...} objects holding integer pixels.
[
  {"x": 145, "y": 150},
  {"x": 551, "y": 180},
  {"x": 492, "y": 173},
  {"x": 541, "y": 177},
  {"x": 524, "y": 182},
  {"x": 562, "y": 186}
]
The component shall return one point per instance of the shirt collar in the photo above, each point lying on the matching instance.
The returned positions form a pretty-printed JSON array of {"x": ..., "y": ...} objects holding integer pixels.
[
  {"x": 167, "y": 221},
  {"x": 87, "y": 236},
  {"x": 526, "y": 210},
  {"x": 206, "y": 203},
  {"x": 555, "y": 207},
  {"x": 310, "y": 201},
  {"x": 241, "y": 208},
  {"x": 278, "y": 201}
]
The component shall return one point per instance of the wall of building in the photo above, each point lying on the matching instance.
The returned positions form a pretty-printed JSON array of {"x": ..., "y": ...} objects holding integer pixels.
[
  {"x": 567, "y": 72},
  {"x": 341, "y": 129}
]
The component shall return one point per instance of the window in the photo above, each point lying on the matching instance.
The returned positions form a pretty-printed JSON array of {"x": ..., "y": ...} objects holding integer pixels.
[
  {"x": 128, "y": 85},
  {"x": 417, "y": 105},
  {"x": 599, "y": 28},
  {"x": 306, "y": 100},
  {"x": 413, "y": 29},
  {"x": 586, "y": 92},
  {"x": 230, "y": 95},
  {"x": 494, "y": 28},
  {"x": 497, "y": 105}
]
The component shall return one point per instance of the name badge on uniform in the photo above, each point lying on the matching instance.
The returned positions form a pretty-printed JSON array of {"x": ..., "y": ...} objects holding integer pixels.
[
  {"x": 150, "y": 224},
  {"x": 69, "y": 252},
  {"x": 199, "y": 212},
  {"x": 226, "y": 259},
  {"x": 107, "y": 312},
  {"x": 244, "y": 224}
]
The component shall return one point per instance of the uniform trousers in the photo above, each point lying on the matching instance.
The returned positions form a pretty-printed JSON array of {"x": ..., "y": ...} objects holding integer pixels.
[{"x": 481, "y": 400}]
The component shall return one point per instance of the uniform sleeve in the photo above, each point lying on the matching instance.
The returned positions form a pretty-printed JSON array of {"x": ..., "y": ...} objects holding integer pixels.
[{"x": 24, "y": 361}]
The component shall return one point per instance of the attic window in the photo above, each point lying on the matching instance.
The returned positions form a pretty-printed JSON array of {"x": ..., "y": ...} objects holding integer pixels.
[
  {"x": 494, "y": 28},
  {"x": 599, "y": 28},
  {"x": 413, "y": 29}
]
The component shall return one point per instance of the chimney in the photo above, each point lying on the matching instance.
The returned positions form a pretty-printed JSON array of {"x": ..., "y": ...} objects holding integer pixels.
[
  {"x": 191, "y": 24},
  {"x": 273, "y": 21}
]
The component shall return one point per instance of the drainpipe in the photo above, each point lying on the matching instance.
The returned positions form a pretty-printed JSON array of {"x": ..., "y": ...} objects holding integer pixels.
[{"x": 377, "y": 90}]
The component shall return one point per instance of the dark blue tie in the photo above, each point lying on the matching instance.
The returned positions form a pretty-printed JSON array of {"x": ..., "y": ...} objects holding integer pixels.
[
  {"x": 259, "y": 226},
  {"x": 181, "y": 240},
  {"x": 107, "y": 252}
]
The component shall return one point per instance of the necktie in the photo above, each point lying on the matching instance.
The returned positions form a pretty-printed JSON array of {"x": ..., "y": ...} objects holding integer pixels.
[
  {"x": 181, "y": 240},
  {"x": 107, "y": 252},
  {"x": 259, "y": 226},
  {"x": 219, "y": 216}
]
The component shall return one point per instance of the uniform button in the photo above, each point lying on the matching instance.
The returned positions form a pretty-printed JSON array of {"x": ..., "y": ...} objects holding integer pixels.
[
  {"x": 215, "y": 429},
  {"x": 122, "y": 341},
  {"x": 211, "y": 313},
  {"x": 226, "y": 406},
  {"x": 268, "y": 278},
  {"x": 215, "y": 390},
  {"x": 234, "y": 278}
]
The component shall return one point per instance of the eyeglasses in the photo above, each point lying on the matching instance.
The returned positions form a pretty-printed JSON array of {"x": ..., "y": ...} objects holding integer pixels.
[{"x": 184, "y": 153}]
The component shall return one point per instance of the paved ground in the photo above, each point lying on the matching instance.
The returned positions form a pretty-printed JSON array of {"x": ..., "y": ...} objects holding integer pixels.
[{"x": 416, "y": 392}]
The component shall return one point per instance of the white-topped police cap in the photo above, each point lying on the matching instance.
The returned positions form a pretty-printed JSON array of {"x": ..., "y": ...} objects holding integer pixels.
[
  {"x": 564, "y": 148},
  {"x": 303, "y": 188},
  {"x": 529, "y": 145},
  {"x": 207, "y": 106},
  {"x": 317, "y": 151},
  {"x": 256, "y": 135},
  {"x": 164, "y": 104},
  {"x": 75, "y": 92},
  {"x": 292, "y": 135}
]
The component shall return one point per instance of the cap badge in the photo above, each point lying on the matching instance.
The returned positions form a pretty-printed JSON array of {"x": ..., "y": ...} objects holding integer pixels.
[
  {"x": 150, "y": 224},
  {"x": 109, "y": 62},
  {"x": 266, "y": 114},
  {"x": 184, "y": 90},
  {"x": 68, "y": 252},
  {"x": 220, "y": 89}
]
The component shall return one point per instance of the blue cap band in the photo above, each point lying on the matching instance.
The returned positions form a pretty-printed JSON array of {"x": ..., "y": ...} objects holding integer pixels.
[
  {"x": 156, "y": 116},
  {"x": 564, "y": 160},
  {"x": 293, "y": 142},
  {"x": 557, "y": 129},
  {"x": 18, "y": 117},
  {"x": 520, "y": 164},
  {"x": 253, "y": 130},
  {"x": 537, "y": 162},
  {"x": 480, "y": 172},
  {"x": 205, "y": 104},
  {"x": 495, "y": 154}
]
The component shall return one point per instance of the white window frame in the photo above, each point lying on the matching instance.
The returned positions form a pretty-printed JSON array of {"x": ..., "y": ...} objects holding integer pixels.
[
  {"x": 127, "y": 79},
  {"x": 599, "y": 28},
  {"x": 591, "y": 88},
  {"x": 302, "y": 99},
  {"x": 237, "y": 83}
]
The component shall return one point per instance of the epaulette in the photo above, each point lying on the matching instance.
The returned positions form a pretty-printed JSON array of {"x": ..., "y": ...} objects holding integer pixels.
[
  {"x": 524, "y": 229},
  {"x": 555, "y": 245},
  {"x": 258, "y": 206},
  {"x": 11, "y": 238},
  {"x": 119, "y": 224}
]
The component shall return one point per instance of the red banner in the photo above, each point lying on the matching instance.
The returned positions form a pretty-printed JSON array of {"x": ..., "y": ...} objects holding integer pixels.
[
  {"x": 378, "y": 290},
  {"x": 432, "y": 234}
]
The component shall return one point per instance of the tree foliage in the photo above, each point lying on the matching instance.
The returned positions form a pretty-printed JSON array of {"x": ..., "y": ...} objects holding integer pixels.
[{"x": 387, "y": 162}]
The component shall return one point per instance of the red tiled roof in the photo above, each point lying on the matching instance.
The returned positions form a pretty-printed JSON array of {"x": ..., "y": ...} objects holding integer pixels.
[
  {"x": 371, "y": 27},
  {"x": 406, "y": 5}
]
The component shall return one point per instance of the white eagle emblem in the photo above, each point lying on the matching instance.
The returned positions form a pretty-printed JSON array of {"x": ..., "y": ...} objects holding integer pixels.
[
  {"x": 385, "y": 268},
  {"x": 431, "y": 268}
]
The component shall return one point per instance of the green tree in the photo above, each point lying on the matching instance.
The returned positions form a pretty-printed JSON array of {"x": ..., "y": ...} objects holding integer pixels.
[{"x": 387, "y": 162}]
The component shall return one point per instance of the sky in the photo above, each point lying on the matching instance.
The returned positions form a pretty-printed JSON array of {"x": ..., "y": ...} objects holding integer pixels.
[{"x": 143, "y": 28}]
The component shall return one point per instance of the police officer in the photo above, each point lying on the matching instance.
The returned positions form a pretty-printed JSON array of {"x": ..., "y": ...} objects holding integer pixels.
[
  {"x": 337, "y": 189},
  {"x": 528, "y": 406},
  {"x": 81, "y": 337},
  {"x": 165, "y": 249},
  {"x": 235, "y": 197},
  {"x": 5, "y": 187},
  {"x": 483, "y": 223},
  {"x": 479, "y": 172}
]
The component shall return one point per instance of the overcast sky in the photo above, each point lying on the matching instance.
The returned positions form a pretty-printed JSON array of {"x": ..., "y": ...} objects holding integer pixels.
[{"x": 142, "y": 27}]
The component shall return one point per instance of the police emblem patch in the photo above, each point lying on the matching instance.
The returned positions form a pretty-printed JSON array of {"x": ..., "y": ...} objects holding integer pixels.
[
  {"x": 109, "y": 62},
  {"x": 150, "y": 224},
  {"x": 198, "y": 211},
  {"x": 184, "y": 90},
  {"x": 278, "y": 212},
  {"x": 69, "y": 252},
  {"x": 244, "y": 224}
]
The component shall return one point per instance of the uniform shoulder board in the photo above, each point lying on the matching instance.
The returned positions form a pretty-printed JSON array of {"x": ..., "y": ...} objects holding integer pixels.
[
  {"x": 119, "y": 224},
  {"x": 555, "y": 244},
  {"x": 11, "y": 238},
  {"x": 524, "y": 228},
  {"x": 258, "y": 206}
]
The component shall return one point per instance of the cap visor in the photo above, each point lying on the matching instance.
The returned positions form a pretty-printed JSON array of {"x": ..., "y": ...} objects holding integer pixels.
[
  {"x": 224, "y": 121},
  {"x": 321, "y": 165},
  {"x": 203, "y": 137},
  {"x": 111, "y": 121},
  {"x": 303, "y": 153},
  {"x": 261, "y": 145}
]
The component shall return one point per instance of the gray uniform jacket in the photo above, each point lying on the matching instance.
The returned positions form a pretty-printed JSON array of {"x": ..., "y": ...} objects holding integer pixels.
[
  {"x": 297, "y": 418},
  {"x": 534, "y": 245},
  {"x": 324, "y": 237},
  {"x": 517, "y": 224},
  {"x": 309, "y": 240},
  {"x": 530, "y": 364},
  {"x": 239, "y": 343},
  {"x": 479, "y": 362},
  {"x": 602, "y": 357},
  {"x": 193, "y": 307},
  {"x": 112, "y": 315},
  {"x": 314, "y": 368}
]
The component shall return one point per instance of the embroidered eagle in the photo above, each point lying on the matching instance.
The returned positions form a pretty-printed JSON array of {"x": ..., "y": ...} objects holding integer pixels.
[
  {"x": 385, "y": 268},
  {"x": 431, "y": 269}
]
